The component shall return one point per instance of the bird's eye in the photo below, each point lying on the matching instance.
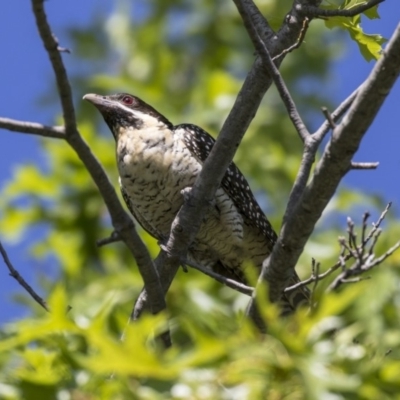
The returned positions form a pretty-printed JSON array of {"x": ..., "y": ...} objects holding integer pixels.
[{"x": 128, "y": 100}]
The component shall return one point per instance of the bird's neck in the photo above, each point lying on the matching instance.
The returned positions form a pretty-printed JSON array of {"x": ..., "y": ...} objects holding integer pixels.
[{"x": 145, "y": 145}]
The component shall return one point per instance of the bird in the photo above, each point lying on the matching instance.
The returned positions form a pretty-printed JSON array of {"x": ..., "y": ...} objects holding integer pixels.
[{"x": 157, "y": 161}]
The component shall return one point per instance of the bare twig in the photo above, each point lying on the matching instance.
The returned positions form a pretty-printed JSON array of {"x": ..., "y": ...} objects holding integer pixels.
[
  {"x": 114, "y": 237},
  {"x": 63, "y": 50},
  {"x": 240, "y": 287},
  {"x": 328, "y": 117},
  {"x": 336, "y": 115},
  {"x": 350, "y": 249},
  {"x": 313, "y": 278},
  {"x": 382, "y": 258},
  {"x": 276, "y": 76},
  {"x": 364, "y": 165},
  {"x": 360, "y": 267},
  {"x": 315, "y": 274},
  {"x": 364, "y": 226},
  {"x": 356, "y": 280},
  {"x": 378, "y": 223},
  {"x": 374, "y": 241},
  {"x": 310, "y": 149},
  {"x": 57, "y": 132},
  {"x": 17, "y": 276},
  {"x": 298, "y": 42},
  {"x": 310, "y": 144},
  {"x": 315, "y": 12}
]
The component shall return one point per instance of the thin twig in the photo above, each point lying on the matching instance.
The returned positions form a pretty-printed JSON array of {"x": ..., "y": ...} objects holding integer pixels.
[
  {"x": 364, "y": 165},
  {"x": 312, "y": 279},
  {"x": 311, "y": 145},
  {"x": 310, "y": 149},
  {"x": 360, "y": 266},
  {"x": 114, "y": 237},
  {"x": 364, "y": 226},
  {"x": 382, "y": 258},
  {"x": 277, "y": 78},
  {"x": 378, "y": 223},
  {"x": 240, "y": 287},
  {"x": 356, "y": 280},
  {"x": 336, "y": 115},
  {"x": 315, "y": 274},
  {"x": 374, "y": 241},
  {"x": 298, "y": 42},
  {"x": 328, "y": 117},
  {"x": 315, "y": 12},
  {"x": 17, "y": 276},
  {"x": 63, "y": 50},
  {"x": 343, "y": 257},
  {"x": 57, "y": 132}
]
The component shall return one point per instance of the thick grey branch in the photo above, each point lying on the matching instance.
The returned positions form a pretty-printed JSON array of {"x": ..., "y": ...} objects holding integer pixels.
[
  {"x": 334, "y": 164},
  {"x": 189, "y": 218},
  {"x": 51, "y": 45},
  {"x": 252, "y": 16},
  {"x": 120, "y": 219}
]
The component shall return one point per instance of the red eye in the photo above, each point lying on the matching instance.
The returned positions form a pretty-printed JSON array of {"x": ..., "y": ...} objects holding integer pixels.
[{"x": 128, "y": 100}]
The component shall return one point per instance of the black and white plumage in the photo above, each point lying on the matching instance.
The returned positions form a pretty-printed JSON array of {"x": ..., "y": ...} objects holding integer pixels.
[{"x": 157, "y": 160}]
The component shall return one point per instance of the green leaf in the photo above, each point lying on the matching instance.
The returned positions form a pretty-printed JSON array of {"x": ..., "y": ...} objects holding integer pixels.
[{"x": 370, "y": 45}]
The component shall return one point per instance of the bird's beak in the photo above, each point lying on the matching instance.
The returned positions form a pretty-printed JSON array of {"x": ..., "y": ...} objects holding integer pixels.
[
  {"x": 102, "y": 103},
  {"x": 93, "y": 98}
]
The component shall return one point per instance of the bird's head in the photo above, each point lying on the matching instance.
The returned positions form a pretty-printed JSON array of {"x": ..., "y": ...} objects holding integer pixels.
[{"x": 122, "y": 111}]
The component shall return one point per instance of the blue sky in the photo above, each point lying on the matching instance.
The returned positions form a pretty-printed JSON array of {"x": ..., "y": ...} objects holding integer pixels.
[{"x": 25, "y": 73}]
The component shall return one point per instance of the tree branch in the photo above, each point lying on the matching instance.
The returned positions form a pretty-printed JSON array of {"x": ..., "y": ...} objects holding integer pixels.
[
  {"x": 334, "y": 164},
  {"x": 364, "y": 165},
  {"x": 343, "y": 257},
  {"x": 310, "y": 149},
  {"x": 335, "y": 116},
  {"x": 363, "y": 262},
  {"x": 17, "y": 276},
  {"x": 120, "y": 219},
  {"x": 57, "y": 132},
  {"x": 239, "y": 287},
  {"x": 52, "y": 47},
  {"x": 276, "y": 76},
  {"x": 316, "y": 12},
  {"x": 189, "y": 218}
]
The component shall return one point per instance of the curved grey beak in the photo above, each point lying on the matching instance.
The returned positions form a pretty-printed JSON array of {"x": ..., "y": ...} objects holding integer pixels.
[
  {"x": 92, "y": 98},
  {"x": 99, "y": 101}
]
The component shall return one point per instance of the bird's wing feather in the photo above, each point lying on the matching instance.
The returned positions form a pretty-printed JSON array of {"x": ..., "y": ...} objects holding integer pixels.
[
  {"x": 200, "y": 143},
  {"x": 142, "y": 221}
]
